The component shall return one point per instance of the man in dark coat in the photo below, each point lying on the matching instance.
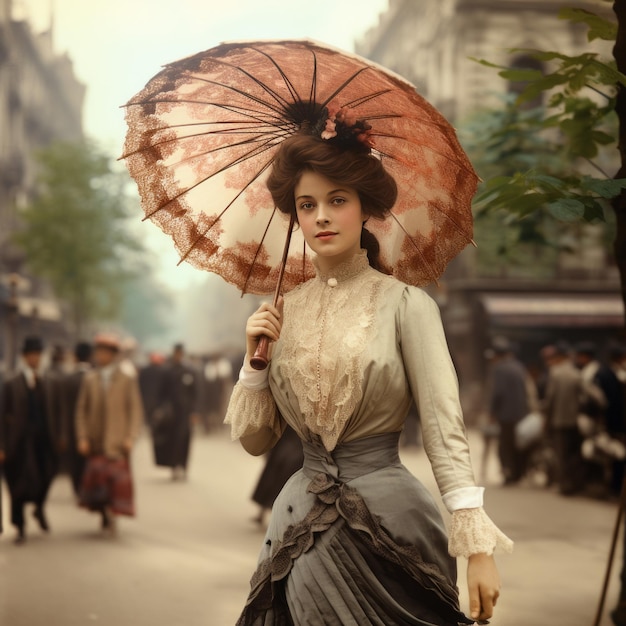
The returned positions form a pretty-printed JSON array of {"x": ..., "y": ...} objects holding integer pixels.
[
  {"x": 150, "y": 378},
  {"x": 611, "y": 378},
  {"x": 508, "y": 405},
  {"x": 177, "y": 406},
  {"x": 28, "y": 438},
  {"x": 71, "y": 388}
]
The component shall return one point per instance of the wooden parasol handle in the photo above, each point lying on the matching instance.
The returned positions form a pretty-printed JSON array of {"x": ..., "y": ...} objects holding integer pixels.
[{"x": 260, "y": 359}]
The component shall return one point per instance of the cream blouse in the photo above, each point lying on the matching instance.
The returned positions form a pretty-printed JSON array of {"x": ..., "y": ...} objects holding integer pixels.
[{"x": 355, "y": 348}]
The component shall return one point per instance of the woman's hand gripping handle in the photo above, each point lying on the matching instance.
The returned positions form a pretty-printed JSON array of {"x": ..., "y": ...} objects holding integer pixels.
[{"x": 263, "y": 326}]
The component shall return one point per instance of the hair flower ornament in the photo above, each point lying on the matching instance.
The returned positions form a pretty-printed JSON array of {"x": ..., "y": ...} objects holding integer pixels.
[
  {"x": 343, "y": 126},
  {"x": 330, "y": 130}
]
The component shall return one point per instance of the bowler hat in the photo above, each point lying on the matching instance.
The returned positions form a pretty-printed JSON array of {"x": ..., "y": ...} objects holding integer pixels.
[{"x": 32, "y": 344}]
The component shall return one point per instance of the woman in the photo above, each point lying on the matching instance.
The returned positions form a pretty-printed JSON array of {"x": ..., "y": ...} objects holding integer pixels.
[{"x": 354, "y": 538}]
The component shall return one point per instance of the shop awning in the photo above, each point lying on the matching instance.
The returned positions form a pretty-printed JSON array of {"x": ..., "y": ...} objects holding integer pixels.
[{"x": 558, "y": 310}]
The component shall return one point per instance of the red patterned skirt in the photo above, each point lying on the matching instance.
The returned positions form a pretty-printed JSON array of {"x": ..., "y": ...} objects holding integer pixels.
[{"x": 107, "y": 483}]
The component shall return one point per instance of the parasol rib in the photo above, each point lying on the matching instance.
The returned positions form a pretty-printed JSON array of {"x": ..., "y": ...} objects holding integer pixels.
[
  {"x": 290, "y": 87},
  {"x": 257, "y": 252},
  {"x": 239, "y": 193},
  {"x": 343, "y": 86},
  {"x": 431, "y": 271},
  {"x": 222, "y": 169}
]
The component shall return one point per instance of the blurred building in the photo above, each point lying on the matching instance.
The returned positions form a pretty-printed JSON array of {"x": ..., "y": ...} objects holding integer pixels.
[
  {"x": 573, "y": 296},
  {"x": 41, "y": 102}
]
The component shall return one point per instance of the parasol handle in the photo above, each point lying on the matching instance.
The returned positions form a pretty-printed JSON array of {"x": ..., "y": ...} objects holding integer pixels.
[{"x": 260, "y": 360}]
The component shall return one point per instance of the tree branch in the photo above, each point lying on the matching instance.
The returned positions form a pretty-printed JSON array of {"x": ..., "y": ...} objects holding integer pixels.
[
  {"x": 598, "y": 91},
  {"x": 597, "y": 167}
]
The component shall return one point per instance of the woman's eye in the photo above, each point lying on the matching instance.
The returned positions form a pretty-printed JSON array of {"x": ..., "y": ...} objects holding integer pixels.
[
  {"x": 338, "y": 200},
  {"x": 305, "y": 206}
]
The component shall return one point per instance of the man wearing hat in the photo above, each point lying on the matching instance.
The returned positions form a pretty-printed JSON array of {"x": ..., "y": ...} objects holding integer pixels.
[
  {"x": 109, "y": 414},
  {"x": 27, "y": 439}
]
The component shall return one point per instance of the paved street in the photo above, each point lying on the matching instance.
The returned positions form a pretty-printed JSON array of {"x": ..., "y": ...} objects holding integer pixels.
[{"x": 187, "y": 557}]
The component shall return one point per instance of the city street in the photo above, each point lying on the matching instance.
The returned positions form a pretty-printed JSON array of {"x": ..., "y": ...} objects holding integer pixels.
[{"x": 187, "y": 557}]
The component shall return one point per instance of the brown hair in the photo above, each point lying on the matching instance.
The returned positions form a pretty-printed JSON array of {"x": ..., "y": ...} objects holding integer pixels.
[{"x": 363, "y": 172}]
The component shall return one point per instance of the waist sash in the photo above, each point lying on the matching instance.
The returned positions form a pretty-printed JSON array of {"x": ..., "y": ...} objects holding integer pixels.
[{"x": 352, "y": 459}]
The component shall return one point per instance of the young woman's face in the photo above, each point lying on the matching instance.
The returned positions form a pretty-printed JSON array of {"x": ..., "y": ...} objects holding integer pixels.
[{"x": 330, "y": 217}]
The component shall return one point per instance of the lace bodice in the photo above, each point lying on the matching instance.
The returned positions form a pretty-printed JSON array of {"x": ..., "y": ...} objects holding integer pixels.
[{"x": 328, "y": 329}]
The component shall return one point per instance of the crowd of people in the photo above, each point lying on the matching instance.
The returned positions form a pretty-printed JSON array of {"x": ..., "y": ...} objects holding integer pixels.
[
  {"x": 83, "y": 413},
  {"x": 569, "y": 418}
]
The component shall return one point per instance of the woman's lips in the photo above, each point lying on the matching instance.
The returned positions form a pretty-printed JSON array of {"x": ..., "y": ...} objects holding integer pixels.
[{"x": 325, "y": 236}]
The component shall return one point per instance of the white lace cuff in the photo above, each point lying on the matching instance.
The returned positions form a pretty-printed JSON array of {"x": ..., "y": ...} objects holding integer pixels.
[
  {"x": 249, "y": 410},
  {"x": 473, "y": 532},
  {"x": 463, "y": 498},
  {"x": 253, "y": 379}
]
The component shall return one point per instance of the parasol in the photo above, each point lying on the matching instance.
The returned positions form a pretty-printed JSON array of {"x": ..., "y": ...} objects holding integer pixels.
[{"x": 203, "y": 133}]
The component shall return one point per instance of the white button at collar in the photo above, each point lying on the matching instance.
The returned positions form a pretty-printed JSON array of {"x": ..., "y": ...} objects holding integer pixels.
[{"x": 332, "y": 282}]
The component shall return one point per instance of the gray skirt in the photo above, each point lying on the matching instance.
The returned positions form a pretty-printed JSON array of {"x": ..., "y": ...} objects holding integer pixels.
[{"x": 354, "y": 538}]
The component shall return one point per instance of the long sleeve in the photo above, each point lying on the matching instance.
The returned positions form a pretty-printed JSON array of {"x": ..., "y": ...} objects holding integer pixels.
[
  {"x": 434, "y": 385},
  {"x": 253, "y": 415}
]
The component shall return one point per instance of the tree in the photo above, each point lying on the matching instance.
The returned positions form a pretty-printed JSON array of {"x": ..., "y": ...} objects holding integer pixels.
[
  {"x": 587, "y": 98},
  {"x": 75, "y": 232},
  {"x": 503, "y": 141}
]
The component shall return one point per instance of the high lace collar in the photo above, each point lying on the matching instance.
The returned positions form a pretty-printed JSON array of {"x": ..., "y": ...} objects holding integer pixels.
[{"x": 346, "y": 270}]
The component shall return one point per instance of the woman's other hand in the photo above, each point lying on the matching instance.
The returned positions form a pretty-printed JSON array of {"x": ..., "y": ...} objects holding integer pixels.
[
  {"x": 266, "y": 320},
  {"x": 483, "y": 583}
]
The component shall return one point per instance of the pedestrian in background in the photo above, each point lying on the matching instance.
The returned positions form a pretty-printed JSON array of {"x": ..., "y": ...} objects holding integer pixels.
[
  {"x": 594, "y": 401},
  {"x": 71, "y": 387},
  {"x": 564, "y": 393},
  {"x": 611, "y": 378},
  {"x": 54, "y": 376},
  {"x": 177, "y": 409},
  {"x": 509, "y": 404},
  {"x": 28, "y": 438},
  {"x": 283, "y": 460},
  {"x": 150, "y": 379},
  {"x": 109, "y": 414}
]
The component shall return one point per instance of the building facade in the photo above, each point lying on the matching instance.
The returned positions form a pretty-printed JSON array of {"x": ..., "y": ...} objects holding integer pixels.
[
  {"x": 432, "y": 44},
  {"x": 41, "y": 101}
]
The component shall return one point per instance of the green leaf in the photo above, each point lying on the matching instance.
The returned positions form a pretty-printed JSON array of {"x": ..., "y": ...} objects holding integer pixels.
[
  {"x": 550, "y": 181},
  {"x": 594, "y": 210},
  {"x": 567, "y": 210},
  {"x": 603, "y": 187},
  {"x": 520, "y": 75},
  {"x": 602, "y": 138},
  {"x": 599, "y": 28},
  {"x": 487, "y": 63}
]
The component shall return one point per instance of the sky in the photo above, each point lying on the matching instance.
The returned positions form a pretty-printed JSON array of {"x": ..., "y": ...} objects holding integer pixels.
[{"x": 118, "y": 45}]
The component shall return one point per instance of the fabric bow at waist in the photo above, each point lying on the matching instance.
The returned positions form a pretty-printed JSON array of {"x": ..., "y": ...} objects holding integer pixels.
[{"x": 353, "y": 459}]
